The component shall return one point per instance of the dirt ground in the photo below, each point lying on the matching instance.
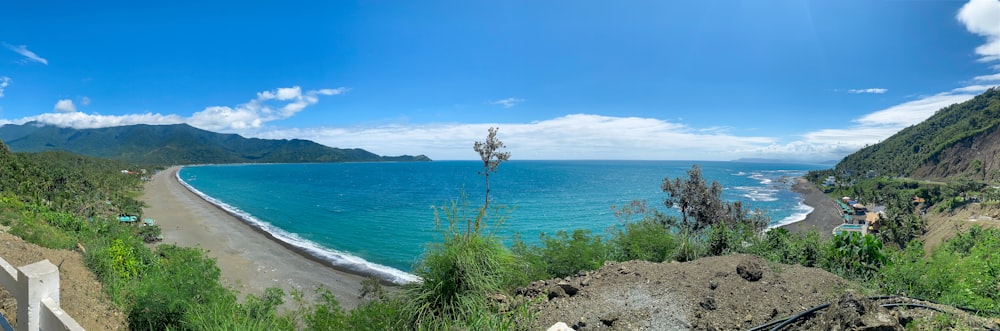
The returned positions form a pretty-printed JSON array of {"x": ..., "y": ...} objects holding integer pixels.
[
  {"x": 81, "y": 295},
  {"x": 735, "y": 292},
  {"x": 944, "y": 226}
]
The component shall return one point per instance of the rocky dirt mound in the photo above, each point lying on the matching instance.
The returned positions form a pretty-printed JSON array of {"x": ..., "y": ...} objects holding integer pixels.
[
  {"x": 81, "y": 295},
  {"x": 734, "y": 292}
]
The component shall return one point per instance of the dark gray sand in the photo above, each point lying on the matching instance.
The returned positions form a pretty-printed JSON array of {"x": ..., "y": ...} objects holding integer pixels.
[{"x": 250, "y": 261}]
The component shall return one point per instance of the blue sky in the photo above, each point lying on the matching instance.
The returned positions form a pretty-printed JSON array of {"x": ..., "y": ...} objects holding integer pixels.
[{"x": 685, "y": 80}]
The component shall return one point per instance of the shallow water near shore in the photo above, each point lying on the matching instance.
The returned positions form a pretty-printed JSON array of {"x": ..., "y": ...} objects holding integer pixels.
[{"x": 376, "y": 218}]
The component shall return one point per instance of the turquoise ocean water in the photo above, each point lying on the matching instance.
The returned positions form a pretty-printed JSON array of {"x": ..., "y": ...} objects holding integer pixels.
[{"x": 376, "y": 218}]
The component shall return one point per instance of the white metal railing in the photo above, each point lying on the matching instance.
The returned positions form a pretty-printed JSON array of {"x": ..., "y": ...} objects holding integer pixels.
[{"x": 36, "y": 289}]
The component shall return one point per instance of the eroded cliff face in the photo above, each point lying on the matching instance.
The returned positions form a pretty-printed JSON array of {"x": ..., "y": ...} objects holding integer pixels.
[{"x": 975, "y": 157}]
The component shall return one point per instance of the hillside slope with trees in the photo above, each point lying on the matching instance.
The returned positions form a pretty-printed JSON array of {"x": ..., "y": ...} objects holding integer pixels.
[
  {"x": 958, "y": 140},
  {"x": 178, "y": 144}
]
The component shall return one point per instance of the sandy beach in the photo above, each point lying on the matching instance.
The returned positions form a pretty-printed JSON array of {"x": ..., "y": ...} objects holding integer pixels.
[
  {"x": 249, "y": 260},
  {"x": 825, "y": 215}
]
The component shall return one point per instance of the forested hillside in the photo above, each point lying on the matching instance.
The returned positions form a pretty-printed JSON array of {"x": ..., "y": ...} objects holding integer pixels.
[
  {"x": 178, "y": 144},
  {"x": 958, "y": 140},
  {"x": 62, "y": 181}
]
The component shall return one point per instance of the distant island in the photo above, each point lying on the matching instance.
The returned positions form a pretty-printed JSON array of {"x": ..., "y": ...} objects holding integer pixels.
[{"x": 178, "y": 144}]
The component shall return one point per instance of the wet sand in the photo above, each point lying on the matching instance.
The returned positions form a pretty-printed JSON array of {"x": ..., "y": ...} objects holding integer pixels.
[
  {"x": 825, "y": 215},
  {"x": 249, "y": 260}
]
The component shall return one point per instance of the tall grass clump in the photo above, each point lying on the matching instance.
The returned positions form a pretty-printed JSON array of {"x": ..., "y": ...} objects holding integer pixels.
[{"x": 462, "y": 275}]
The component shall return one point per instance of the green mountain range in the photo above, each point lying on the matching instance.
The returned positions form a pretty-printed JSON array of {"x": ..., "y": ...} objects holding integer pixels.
[
  {"x": 178, "y": 144},
  {"x": 961, "y": 140}
]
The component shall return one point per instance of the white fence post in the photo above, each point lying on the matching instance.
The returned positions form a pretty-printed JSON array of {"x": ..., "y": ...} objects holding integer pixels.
[{"x": 35, "y": 281}]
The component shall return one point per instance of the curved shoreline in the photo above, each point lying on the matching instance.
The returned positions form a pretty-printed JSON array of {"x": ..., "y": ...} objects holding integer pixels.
[
  {"x": 249, "y": 258},
  {"x": 825, "y": 214},
  {"x": 351, "y": 264}
]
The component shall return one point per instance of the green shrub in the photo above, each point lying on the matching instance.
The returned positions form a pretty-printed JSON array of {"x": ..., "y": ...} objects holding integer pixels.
[
  {"x": 565, "y": 254},
  {"x": 965, "y": 271},
  {"x": 689, "y": 248},
  {"x": 256, "y": 313},
  {"x": 326, "y": 314},
  {"x": 182, "y": 279},
  {"x": 854, "y": 256},
  {"x": 380, "y": 315},
  {"x": 780, "y": 245},
  {"x": 149, "y": 233},
  {"x": 646, "y": 240}
]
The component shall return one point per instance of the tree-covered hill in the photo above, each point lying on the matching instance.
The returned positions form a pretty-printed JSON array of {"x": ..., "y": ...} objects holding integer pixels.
[
  {"x": 178, "y": 144},
  {"x": 961, "y": 140}
]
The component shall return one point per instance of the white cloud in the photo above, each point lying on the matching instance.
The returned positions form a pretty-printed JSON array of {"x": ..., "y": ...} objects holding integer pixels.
[
  {"x": 828, "y": 144},
  {"x": 4, "y": 82},
  {"x": 65, "y": 106},
  {"x": 255, "y": 113},
  {"x": 988, "y": 78},
  {"x": 245, "y": 117},
  {"x": 508, "y": 102},
  {"x": 23, "y": 50},
  {"x": 91, "y": 121},
  {"x": 973, "y": 88},
  {"x": 868, "y": 90},
  {"x": 576, "y": 136},
  {"x": 911, "y": 112},
  {"x": 982, "y": 17},
  {"x": 289, "y": 93}
]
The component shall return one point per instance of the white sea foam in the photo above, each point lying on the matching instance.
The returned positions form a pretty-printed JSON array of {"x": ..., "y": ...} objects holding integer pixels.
[
  {"x": 758, "y": 176},
  {"x": 801, "y": 211},
  {"x": 335, "y": 258},
  {"x": 757, "y": 193}
]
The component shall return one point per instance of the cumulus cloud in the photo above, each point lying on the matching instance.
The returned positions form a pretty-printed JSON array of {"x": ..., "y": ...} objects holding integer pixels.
[
  {"x": 868, "y": 90},
  {"x": 29, "y": 55},
  {"x": 4, "y": 82},
  {"x": 269, "y": 106},
  {"x": 982, "y": 17},
  {"x": 508, "y": 102},
  {"x": 65, "y": 106}
]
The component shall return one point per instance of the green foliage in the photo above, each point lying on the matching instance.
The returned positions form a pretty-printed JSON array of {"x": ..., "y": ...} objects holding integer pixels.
[
  {"x": 181, "y": 279},
  {"x": 123, "y": 260},
  {"x": 965, "y": 271},
  {"x": 149, "y": 233},
  {"x": 379, "y": 315},
  {"x": 458, "y": 274},
  {"x": 689, "y": 248},
  {"x": 256, "y": 313},
  {"x": 647, "y": 239},
  {"x": 41, "y": 233},
  {"x": 780, "y": 245},
  {"x": 326, "y": 314},
  {"x": 702, "y": 207},
  {"x": 900, "y": 224},
  {"x": 564, "y": 254},
  {"x": 854, "y": 256}
]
